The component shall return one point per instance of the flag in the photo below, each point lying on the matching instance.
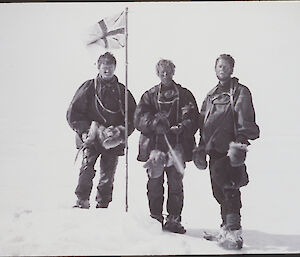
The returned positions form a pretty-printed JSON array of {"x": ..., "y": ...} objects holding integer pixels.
[{"x": 108, "y": 32}]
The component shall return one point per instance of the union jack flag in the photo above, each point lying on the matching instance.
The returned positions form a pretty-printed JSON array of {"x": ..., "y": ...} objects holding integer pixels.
[{"x": 108, "y": 32}]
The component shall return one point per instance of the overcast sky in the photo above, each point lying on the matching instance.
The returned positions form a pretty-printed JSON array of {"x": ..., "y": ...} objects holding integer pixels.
[{"x": 43, "y": 58}]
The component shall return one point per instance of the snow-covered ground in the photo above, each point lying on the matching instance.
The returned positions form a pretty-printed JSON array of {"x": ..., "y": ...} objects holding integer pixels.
[
  {"x": 43, "y": 63},
  {"x": 37, "y": 218}
]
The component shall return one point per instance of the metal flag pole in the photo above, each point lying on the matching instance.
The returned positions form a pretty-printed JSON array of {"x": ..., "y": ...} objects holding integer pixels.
[{"x": 126, "y": 106}]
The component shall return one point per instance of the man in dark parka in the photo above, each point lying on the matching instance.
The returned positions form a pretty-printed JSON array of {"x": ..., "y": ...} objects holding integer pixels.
[
  {"x": 100, "y": 101},
  {"x": 227, "y": 122},
  {"x": 170, "y": 110}
]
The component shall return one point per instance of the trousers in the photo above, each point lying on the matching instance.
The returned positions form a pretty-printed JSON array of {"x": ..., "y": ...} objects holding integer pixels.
[
  {"x": 229, "y": 199},
  {"x": 108, "y": 165},
  {"x": 155, "y": 192}
]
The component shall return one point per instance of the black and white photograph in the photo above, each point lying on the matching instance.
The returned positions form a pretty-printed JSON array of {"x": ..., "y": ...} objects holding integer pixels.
[{"x": 149, "y": 128}]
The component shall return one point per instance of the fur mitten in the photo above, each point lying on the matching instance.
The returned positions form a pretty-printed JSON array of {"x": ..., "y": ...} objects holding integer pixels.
[
  {"x": 237, "y": 154},
  {"x": 155, "y": 164},
  {"x": 112, "y": 136},
  {"x": 199, "y": 158}
]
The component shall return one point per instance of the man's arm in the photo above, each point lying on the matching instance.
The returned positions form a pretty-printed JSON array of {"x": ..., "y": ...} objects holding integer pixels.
[
  {"x": 190, "y": 115},
  {"x": 245, "y": 117},
  {"x": 77, "y": 111},
  {"x": 147, "y": 119}
]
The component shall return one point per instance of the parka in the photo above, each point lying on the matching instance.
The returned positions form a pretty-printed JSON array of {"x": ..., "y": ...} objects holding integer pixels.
[
  {"x": 145, "y": 113},
  {"x": 224, "y": 118},
  {"x": 85, "y": 108}
]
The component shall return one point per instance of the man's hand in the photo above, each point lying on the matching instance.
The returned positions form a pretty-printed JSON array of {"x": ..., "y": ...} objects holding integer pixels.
[
  {"x": 199, "y": 158},
  {"x": 242, "y": 139},
  {"x": 160, "y": 124}
]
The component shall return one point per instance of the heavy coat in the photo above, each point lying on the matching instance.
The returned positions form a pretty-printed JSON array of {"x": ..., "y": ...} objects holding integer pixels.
[
  {"x": 219, "y": 124},
  {"x": 85, "y": 108},
  {"x": 145, "y": 114}
]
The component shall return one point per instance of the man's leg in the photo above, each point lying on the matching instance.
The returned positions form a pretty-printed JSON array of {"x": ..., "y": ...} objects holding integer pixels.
[
  {"x": 230, "y": 203},
  {"x": 175, "y": 201},
  {"x": 233, "y": 236},
  {"x": 155, "y": 194},
  {"x": 108, "y": 166},
  {"x": 217, "y": 191},
  {"x": 233, "y": 204},
  {"x": 86, "y": 175},
  {"x": 175, "y": 191}
]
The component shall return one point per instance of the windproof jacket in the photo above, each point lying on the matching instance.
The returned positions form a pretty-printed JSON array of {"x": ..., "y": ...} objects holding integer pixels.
[
  {"x": 226, "y": 115},
  {"x": 145, "y": 114},
  {"x": 85, "y": 107}
]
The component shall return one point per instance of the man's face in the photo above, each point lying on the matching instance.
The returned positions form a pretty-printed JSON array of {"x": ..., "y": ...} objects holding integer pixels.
[
  {"x": 106, "y": 71},
  {"x": 165, "y": 74},
  {"x": 223, "y": 70}
]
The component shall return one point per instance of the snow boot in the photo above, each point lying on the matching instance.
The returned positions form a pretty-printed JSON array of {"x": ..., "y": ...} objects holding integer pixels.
[
  {"x": 102, "y": 204},
  {"x": 173, "y": 225},
  {"x": 233, "y": 221},
  {"x": 83, "y": 204},
  {"x": 232, "y": 239},
  {"x": 159, "y": 218}
]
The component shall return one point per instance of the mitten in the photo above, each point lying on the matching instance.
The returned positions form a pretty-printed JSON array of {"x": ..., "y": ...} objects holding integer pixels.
[
  {"x": 155, "y": 164},
  {"x": 111, "y": 137},
  {"x": 237, "y": 154},
  {"x": 160, "y": 124},
  {"x": 122, "y": 133},
  {"x": 199, "y": 158}
]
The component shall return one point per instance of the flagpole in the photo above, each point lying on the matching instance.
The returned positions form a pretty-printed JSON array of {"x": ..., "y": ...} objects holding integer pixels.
[{"x": 126, "y": 106}]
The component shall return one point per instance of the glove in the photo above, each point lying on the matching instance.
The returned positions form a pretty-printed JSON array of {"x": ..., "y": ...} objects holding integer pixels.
[
  {"x": 177, "y": 129},
  {"x": 160, "y": 124},
  {"x": 199, "y": 158}
]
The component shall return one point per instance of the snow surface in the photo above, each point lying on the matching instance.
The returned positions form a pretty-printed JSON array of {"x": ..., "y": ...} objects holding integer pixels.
[{"x": 42, "y": 64}]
